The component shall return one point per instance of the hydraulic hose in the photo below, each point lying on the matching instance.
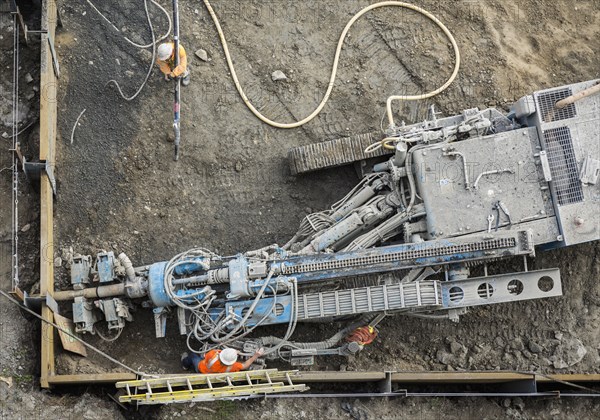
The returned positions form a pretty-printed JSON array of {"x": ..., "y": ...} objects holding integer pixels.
[
  {"x": 336, "y": 61},
  {"x": 319, "y": 345}
]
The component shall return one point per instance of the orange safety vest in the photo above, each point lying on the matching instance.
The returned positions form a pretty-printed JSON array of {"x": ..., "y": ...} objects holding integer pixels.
[
  {"x": 167, "y": 66},
  {"x": 212, "y": 364}
]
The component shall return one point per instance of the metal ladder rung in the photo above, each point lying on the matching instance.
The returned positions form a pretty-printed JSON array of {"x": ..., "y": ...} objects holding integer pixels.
[
  {"x": 259, "y": 388},
  {"x": 218, "y": 395},
  {"x": 199, "y": 379}
]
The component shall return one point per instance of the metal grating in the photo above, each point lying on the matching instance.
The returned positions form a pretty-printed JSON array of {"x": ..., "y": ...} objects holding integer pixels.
[
  {"x": 546, "y": 103},
  {"x": 563, "y": 165},
  {"x": 417, "y": 295}
]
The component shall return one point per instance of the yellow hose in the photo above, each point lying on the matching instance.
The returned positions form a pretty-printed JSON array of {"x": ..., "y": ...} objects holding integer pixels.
[{"x": 335, "y": 64}]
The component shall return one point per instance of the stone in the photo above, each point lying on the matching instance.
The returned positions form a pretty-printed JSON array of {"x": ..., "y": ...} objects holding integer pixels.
[
  {"x": 238, "y": 166},
  {"x": 518, "y": 403},
  {"x": 278, "y": 75},
  {"x": 457, "y": 348},
  {"x": 444, "y": 357},
  {"x": 57, "y": 262},
  {"x": 28, "y": 78},
  {"x": 568, "y": 353},
  {"x": 201, "y": 54},
  {"x": 517, "y": 344},
  {"x": 26, "y": 228},
  {"x": 535, "y": 347}
]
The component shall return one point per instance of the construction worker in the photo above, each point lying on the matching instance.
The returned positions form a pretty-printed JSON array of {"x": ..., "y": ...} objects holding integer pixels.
[
  {"x": 166, "y": 62},
  {"x": 218, "y": 361}
]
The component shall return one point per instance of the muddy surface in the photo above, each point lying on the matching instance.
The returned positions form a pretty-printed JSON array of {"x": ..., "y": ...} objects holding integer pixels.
[{"x": 119, "y": 188}]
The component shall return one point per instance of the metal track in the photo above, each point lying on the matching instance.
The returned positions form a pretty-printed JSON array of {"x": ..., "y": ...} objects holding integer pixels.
[{"x": 332, "y": 153}]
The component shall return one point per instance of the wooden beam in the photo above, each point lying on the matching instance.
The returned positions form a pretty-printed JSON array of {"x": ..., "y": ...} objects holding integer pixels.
[
  {"x": 332, "y": 376},
  {"x": 48, "y": 111},
  {"x": 97, "y": 378},
  {"x": 459, "y": 377},
  {"x": 46, "y": 277},
  {"x": 48, "y": 86},
  {"x": 569, "y": 377}
]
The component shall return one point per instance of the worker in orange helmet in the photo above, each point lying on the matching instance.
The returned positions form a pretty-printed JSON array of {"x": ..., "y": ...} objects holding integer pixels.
[
  {"x": 165, "y": 58},
  {"x": 218, "y": 361}
]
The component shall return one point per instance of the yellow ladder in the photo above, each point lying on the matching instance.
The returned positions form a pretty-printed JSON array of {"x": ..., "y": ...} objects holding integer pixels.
[{"x": 188, "y": 388}]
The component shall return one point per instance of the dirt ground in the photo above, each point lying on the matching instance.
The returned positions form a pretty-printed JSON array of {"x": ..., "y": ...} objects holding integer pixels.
[{"x": 119, "y": 189}]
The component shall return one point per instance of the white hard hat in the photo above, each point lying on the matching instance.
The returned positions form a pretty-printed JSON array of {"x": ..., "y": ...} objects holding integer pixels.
[
  {"x": 228, "y": 356},
  {"x": 164, "y": 51}
]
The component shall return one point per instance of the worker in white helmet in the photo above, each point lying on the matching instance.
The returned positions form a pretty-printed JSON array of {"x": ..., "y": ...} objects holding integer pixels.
[
  {"x": 166, "y": 62},
  {"x": 218, "y": 361}
]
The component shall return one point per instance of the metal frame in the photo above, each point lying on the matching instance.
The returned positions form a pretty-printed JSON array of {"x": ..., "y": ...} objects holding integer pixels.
[{"x": 522, "y": 383}]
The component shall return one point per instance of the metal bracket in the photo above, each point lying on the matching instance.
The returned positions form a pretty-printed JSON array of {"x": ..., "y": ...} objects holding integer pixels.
[
  {"x": 33, "y": 171},
  {"x": 54, "y": 57},
  {"x": 545, "y": 166},
  {"x": 160, "y": 322}
]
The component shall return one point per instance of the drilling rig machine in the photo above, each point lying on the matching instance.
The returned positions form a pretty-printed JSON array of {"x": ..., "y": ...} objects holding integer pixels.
[{"x": 435, "y": 199}]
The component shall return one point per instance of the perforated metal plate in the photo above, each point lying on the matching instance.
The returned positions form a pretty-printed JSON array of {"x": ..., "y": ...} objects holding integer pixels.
[{"x": 502, "y": 288}]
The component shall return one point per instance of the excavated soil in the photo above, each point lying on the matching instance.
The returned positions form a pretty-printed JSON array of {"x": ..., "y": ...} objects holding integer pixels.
[{"x": 119, "y": 188}]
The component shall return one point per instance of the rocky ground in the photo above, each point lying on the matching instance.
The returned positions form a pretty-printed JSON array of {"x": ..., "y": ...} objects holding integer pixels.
[{"x": 231, "y": 190}]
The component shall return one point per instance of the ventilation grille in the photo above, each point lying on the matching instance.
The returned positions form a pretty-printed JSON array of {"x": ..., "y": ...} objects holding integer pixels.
[
  {"x": 546, "y": 103},
  {"x": 563, "y": 165}
]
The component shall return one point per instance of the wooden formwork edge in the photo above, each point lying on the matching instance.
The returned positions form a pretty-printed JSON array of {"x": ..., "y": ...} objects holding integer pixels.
[{"x": 48, "y": 105}]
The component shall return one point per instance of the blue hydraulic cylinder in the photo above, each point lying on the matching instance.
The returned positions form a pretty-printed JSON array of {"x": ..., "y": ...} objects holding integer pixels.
[{"x": 156, "y": 280}]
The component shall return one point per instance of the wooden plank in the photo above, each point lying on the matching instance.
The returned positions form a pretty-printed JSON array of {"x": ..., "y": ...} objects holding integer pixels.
[
  {"x": 459, "y": 377},
  {"x": 97, "y": 378},
  {"x": 347, "y": 376},
  {"x": 47, "y": 143},
  {"x": 46, "y": 277},
  {"x": 570, "y": 377},
  {"x": 48, "y": 86},
  {"x": 68, "y": 342}
]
